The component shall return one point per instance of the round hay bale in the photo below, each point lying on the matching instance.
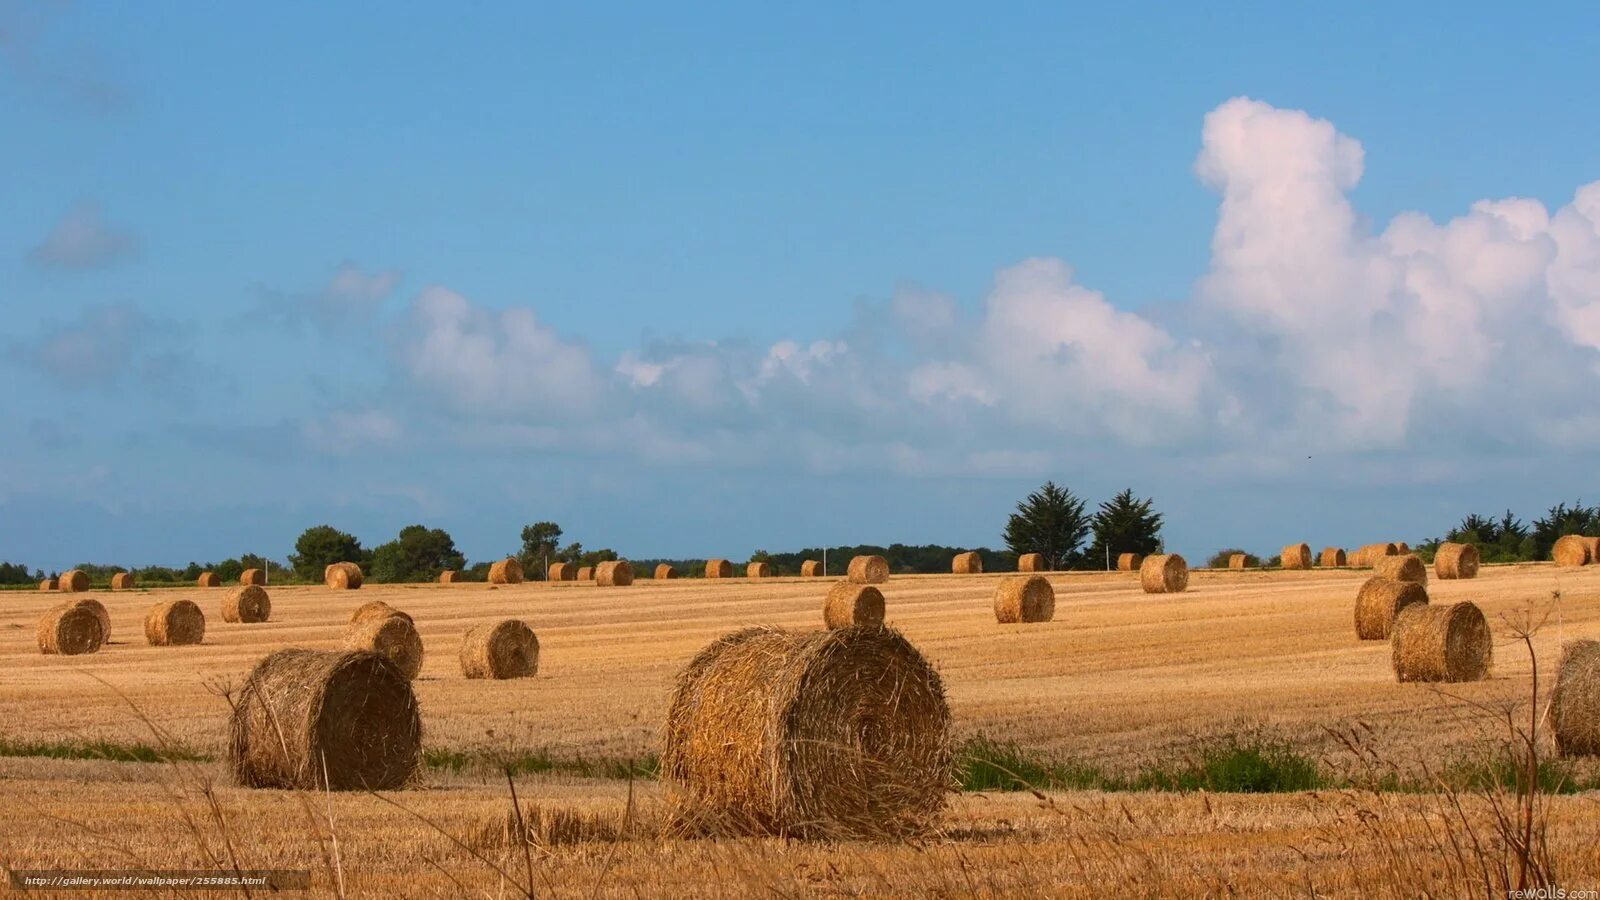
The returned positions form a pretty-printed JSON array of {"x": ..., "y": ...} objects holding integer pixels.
[
  {"x": 1441, "y": 643},
  {"x": 122, "y": 581},
  {"x": 312, "y": 720},
  {"x": 394, "y": 637},
  {"x": 100, "y": 614},
  {"x": 69, "y": 629},
  {"x": 841, "y": 734},
  {"x": 758, "y": 570},
  {"x": 1367, "y": 556},
  {"x": 1238, "y": 561},
  {"x": 174, "y": 623},
  {"x": 719, "y": 568},
  {"x": 247, "y": 604},
  {"x": 1024, "y": 598},
  {"x": 375, "y": 609},
  {"x": 1594, "y": 548},
  {"x": 849, "y": 603},
  {"x": 1456, "y": 561},
  {"x": 969, "y": 563},
  {"x": 342, "y": 576},
  {"x": 1569, "y": 550},
  {"x": 811, "y": 568},
  {"x": 586, "y": 573},
  {"x": 504, "y": 649},
  {"x": 664, "y": 571},
  {"x": 1296, "y": 556},
  {"x": 868, "y": 570},
  {"x": 1409, "y": 567},
  {"x": 1575, "y": 702},
  {"x": 562, "y": 571},
  {"x": 208, "y": 579},
  {"x": 1129, "y": 562},
  {"x": 253, "y": 576},
  {"x": 448, "y": 576},
  {"x": 1333, "y": 557},
  {"x": 50, "y": 584},
  {"x": 509, "y": 571},
  {"x": 616, "y": 573},
  {"x": 1164, "y": 573},
  {"x": 1379, "y": 601},
  {"x": 1030, "y": 562},
  {"x": 75, "y": 581}
]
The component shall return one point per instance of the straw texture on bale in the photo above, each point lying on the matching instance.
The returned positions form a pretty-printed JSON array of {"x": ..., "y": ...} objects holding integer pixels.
[
  {"x": 1379, "y": 601},
  {"x": 1129, "y": 562},
  {"x": 758, "y": 570},
  {"x": 1024, "y": 598},
  {"x": 664, "y": 571},
  {"x": 448, "y": 576},
  {"x": 122, "y": 581},
  {"x": 811, "y": 568},
  {"x": 75, "y": 581},
  {"x": 252, "y": 576},
  {"x": 1238, "y": 561},
  {"x": 247, "y": 604},
  {"x": 868, "y": 570},
  {"x": 375, "y": 609},
  {"x": 562, "y": 571},
  {"x": 506, "y": 571},
  {"x": 208, "y": 579},
  {"x": 1409, "y": 567},
  {"x": 841, "y": 734},
  {"x": 1456, "y": 561},
  {"x": 504, "y": 649},
  {"x": 1569, "y": 550},
  {"x": 342, "y": 576},
  {"x": 50, "y": 584},
  {"x": 1441, "y": 643},
  {"x": 1368, "y": 555},
  {"x": 1575, "y": 703},
  {"x": 1594, "y": 548},
  {"x": 1164, "y": 573},
  {"x": 69, "y": 629},
  {"x": 174, "y": 623},
  {"x": 1030, "y": 562},
  {"x": 1296, "y": 556},
  {"x": 100, "y": 614},
  {"x": 394, "y": 637},
  {"x": 310, "y": 719},
  {"x": 616, "y": 573},
  {"x": 1333, "y": 556},
  {"x": 968, "y": 563},
  {"x": 586, "y": 573},
  {"x": 719, "y": 568},
  {"x": 850, "y": 604}
]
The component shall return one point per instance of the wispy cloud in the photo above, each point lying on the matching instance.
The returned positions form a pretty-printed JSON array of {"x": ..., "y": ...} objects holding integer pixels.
[{"x": 83, "y": 239}]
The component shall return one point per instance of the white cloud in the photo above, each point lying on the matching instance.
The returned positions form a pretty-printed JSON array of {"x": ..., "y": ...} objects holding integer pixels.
[
  {"x": 347, "y": 433},
  {"x": 83, "y": 239}
]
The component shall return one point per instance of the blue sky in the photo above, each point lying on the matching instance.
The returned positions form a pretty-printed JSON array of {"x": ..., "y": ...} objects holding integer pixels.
[{"x": 698, "y": 280}]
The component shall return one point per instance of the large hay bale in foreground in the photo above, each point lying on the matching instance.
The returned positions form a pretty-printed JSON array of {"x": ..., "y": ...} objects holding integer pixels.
[
  {"x": 849, "y": 603},
  {"x": 868, "y": 570},
  {"x": 208, "y": 580},
  {"x": 1333, "y": 556},
  {"x": 561, "y": 571},
  {"x": 122, "y": 581},
  {"x": 1129, "y": 562},
  {"x": 1575, "y": 702},
  {"x": 1379, "y": 601},
  {"x": 175, "y": 623},
  {"x": 50, "y": 584},
  {"x": 392, "y": 636},
  {"x": 253, "y": 576},
  {"x": 1164, "y": 573},
  {"x": 616, "y": 573},
  {"x": 506, "y": 571},
  {"x": 1296, "y": 556},
  {"x": 311, "y": 720},
  {"x": 1024, "y": 598},
  {"x": 375, "y": 609},
  {"x": 75, "y": 581},
  {"x": 719, "y": 568},
  {"x": 1569, "y": 550},
  {"x": 758, "y": 570},
  {"x": 586, "y": 573},
  {"x": 1409, "y": 567},
  {"x": 811, "y": 568},
  {"x": 1030, "y": 562},
  {"x": 504, "y": 649},
  {"x": 69, "y": 629},
  {"x": 1456, "y": 561},
  {"x": 968, "y": 563},
  {"x": 664, "y": 571},
  {"x": 841, "y": 734},
  {"x": 247, "y": 604},
  {"x": 342, "y": 576},
  {"x": 448, "y": 576},
  {"x": 1441, "y": 643},
  {"x": 100, "y": 614},
  {"x": 1238, "y": 561}
]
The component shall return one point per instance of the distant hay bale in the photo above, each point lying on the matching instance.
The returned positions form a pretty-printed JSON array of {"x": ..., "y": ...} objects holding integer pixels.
[
  {"x": 375, "y": 609},
  {"x": 208, "y": 579},
  {"x": 664, "y": 571},
  {"x": 175, "y": 623},
  {"x": 1238, "y": 561},
  {"x": 509, "y": 571},
  {"x": 850, "y": 604},
  {"x": 1441, "y": 643},
  {"x": 868, "y": 570},
  {"x": 50, "y": 584},
  {"x": 1409, "y": 567},
  {"x": 586, "y": 573},
  {"x": 1575, "y": 703},
  {"x": 1296, "y": 556},
  {"x": 122, "y": 581},
  {"x": 1030, "y": 562},
  {"x": 1367, "y": 556},
  {"x": 758, "y": 570},
  {"x": 1332, "y": 557},
  {"x": 1594, "y": 548},
  {"x": 1024, "y": 598},
  {"x": 448, "y": 576},
  {"x": 1380, "y": 600},
  {"x": 719, "y": 568},
  {"x": 1456, "y": 561},
  {"x": 311, "y": 720},
  {"x": 1569, "y": 550},
  {"x": 1129, "y": 562},
  {"x": 342, "y": 576},
  {"x": 247, "y": 604},
  {"x": 392, "y": 636},
  {"x": 968, "y": 563},
  {"x": 562, "y": 571},
  {"x": 70, "y": 629},
  {"x": 840, "y": 734},
  {"x": 616, "y": 573},
  {"x": 75, "y": 581},
  {"x": 504, "y": 649},
  {"x": 811, "y": 568},
  {"x": 1164, "y": 573},
  {"x": 1401, "y": 548},
  {"x": 253, "y": 576}
]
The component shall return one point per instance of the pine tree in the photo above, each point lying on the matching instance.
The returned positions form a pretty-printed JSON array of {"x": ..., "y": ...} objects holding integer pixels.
[
  {"x": 1124, "y": 524},
  {"x": 1049, "y": 522}
]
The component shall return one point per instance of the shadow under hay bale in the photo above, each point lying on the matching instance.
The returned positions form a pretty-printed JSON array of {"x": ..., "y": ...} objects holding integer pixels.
[
  {"x": 504, "y": 649},
  {"x": 1569, "y": 550},
  {"x": 868, "y": 570},
  {"x": 758, "y": 570},
  {"x": 664, "y": 571},
  {"x": 208, "y": 580},
  {"x": 175, "y": 623},
  {"x": 1164, "y": 573},
  {"x": 253, "y": 576},
  {"x": 69, "y": 629},
  {"x": 969, "y": 563},
  {"x": 840, "y": 734},
  {"x": 1030, "y": 562},
  {"x": 75, "y": 581},
  {"x": 310, "y": 718},
  {"x": 1379, "y": 601},
  {"x": 392, "y": 636},
  {"x": 561, "y": 571},
  {"x": 122, "y": 581},
  {"x": 506, "y": 571},
  {"x": 1575, "y": 702},
  {"x": 1296, "y": 556},
  {"x": 811, "y": 568},
  {"x": 1456, "y": 561},
  {"x": 1441, "y": 643},
  {"x": 247, "y": 604},
  {"x": 1129, "y": 562},
  {"x": 616, "y": 573},
  {"x": 1024, "y": 598},
  {"x": 1407, "y": 567},
  {"x": 342, "y": 576},
  {"x": 849, "y": 603},
  {"x": 1333, "y": 557},
  {"x": 719, "y": 568}
]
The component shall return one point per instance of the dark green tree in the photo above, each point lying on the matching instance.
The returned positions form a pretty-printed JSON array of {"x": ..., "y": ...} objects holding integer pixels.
[
  {"x": 319, "y": 547},
  {"x": 1124, "y": 524},
  {"x": 1563, "y": 520},
  {"x": 541, "y": 541},
  {"x": 418, "y": 554},
  {"x": 1050, "y": 522}
]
